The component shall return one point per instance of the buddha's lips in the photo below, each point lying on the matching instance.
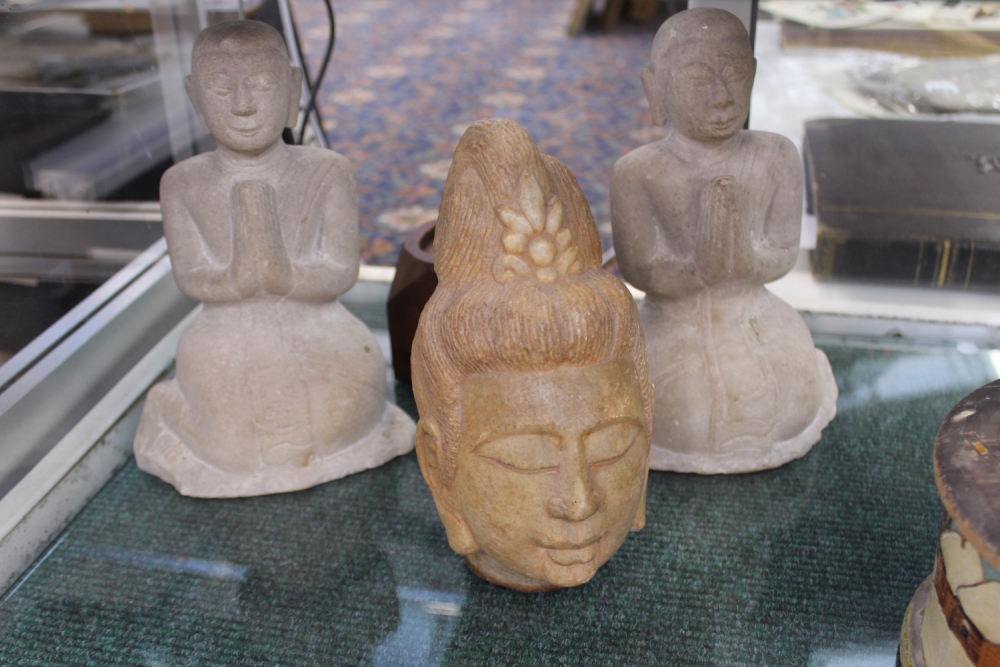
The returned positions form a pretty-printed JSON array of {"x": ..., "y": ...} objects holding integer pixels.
[{"x": 577, "y": 556}]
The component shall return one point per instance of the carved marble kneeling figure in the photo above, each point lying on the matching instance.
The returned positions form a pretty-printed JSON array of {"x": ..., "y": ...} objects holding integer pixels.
[
  {"x": 529, "y": 371},
  {"x": 702, "y": 220},
  {"x": 278, "y": 387}
]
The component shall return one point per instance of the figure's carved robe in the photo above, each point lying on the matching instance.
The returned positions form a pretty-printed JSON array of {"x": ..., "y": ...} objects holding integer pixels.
[{"x": 739, "y": 383}]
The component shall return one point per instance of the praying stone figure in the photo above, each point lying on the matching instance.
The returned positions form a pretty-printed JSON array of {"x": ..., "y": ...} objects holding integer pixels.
[
  {"x": 702, "y": 220},
  {"x": 529, "y": 371},
  {"x": 277, "y": 387}
]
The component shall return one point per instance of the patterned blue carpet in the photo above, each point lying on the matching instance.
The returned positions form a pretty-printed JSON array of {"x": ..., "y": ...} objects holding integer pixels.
[{"x": 408, "y": 76}]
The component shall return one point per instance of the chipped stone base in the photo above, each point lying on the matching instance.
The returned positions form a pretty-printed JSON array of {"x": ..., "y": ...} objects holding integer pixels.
[{"x": 172, "y": 461}]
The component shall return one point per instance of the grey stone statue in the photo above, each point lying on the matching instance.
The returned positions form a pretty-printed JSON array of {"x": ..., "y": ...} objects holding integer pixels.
[
  {"x": 702, "y": 220},
  {"x": 278, "y": 387}
]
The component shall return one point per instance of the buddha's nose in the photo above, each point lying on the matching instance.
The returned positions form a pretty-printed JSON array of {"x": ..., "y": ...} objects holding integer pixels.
[
  {"x": 576, "y": 499},
  {"x": 243, "y": 103},
  {"x": 721, "y": 97}
]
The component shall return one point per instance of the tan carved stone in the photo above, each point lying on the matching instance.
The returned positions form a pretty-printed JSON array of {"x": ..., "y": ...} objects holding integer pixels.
[
  {"x": 278, "y": 387},
  {"x": 529, "y": 370},
  {"x": 702, "y": 220}
]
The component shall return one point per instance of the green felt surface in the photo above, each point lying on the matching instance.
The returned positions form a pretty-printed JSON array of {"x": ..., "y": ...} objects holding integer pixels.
[{"x": 810, "y": 564}]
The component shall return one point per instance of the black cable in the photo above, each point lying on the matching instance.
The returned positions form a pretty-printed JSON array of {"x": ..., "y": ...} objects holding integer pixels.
[
  {"x": 289, "y": 135},
  {"x": 315, "y": 86}
]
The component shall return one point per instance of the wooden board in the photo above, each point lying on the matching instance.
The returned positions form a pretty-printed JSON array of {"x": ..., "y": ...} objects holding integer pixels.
[
  {"x": 644, "y": 10},
  {"x": 580, "y": 16},
  {"x": 924, "y": 43},
  {"x": 612, "y": 13}
]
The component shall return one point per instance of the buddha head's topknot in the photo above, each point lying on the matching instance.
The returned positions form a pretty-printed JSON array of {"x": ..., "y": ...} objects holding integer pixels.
[{"x": 511, "y": 213}]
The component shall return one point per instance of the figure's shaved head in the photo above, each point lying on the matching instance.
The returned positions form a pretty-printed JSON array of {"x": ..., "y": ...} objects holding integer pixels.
[
  {"x": 233, "y": 35},
  {"x": 697, "y": 24},
  {"x": 243, "y": 86},
  {"x": 701, "y": 75}
]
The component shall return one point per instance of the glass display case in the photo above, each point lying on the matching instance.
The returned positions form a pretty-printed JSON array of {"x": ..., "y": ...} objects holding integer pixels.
[
  {"x": 92, "y": 112},
  {"x": 813, "y": 563}
]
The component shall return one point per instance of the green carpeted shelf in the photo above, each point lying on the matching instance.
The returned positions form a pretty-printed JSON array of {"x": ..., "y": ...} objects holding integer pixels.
[{"x": 810, "y": 564}]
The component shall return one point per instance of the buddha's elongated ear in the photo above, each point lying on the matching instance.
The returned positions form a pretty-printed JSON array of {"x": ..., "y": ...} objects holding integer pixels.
[
  {"x": 640, "y": 517},
  {"x": 192, "y": 92},
  {"x": 431, "y": 458},
  {"x": 294, "y": 98},
  {"x": 648, "y": 401},
  {"x": 655, "y": 97}
]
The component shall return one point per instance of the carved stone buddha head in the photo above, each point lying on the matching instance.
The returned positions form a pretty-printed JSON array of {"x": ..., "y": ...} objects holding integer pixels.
[{"x": 530, "y": 372}]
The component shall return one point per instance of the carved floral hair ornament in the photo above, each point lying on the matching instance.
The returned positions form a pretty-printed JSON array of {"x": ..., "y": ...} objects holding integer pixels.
[{"x": 537, "y": 244}]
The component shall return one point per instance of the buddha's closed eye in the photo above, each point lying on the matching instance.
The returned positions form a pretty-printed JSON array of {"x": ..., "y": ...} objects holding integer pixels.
[
  {"x": 524, "y": 452},
  {"x": 541, "y": 453},
  {"x": 263, "y": 82},
  {"x": 699, "y": 74},
  {"x": 220, "y": 84},
  {"x": 735, "y": 72},
  {"x": 609, "y": 442}
]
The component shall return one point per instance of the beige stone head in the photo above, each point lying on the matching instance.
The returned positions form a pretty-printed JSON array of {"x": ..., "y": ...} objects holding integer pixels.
[
  {"x": 530, "y": 372},
  {"x": 243, "y": 86},
  {"x": 701, "y": 74}
]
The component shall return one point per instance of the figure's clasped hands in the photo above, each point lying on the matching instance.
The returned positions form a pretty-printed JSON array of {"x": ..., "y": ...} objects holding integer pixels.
[
  {"x": 260, "y": 264},
  {"x": 724, "y": 249}
]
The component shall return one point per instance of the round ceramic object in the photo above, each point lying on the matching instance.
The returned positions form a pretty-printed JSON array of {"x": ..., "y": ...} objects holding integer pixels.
[
  {"x": 910, "y": 653},
  {"x": 953, "y": 619},
  {"x": 967, "y": 469}
]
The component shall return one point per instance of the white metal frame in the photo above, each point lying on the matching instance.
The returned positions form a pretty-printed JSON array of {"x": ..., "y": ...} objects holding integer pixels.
[
  {"x": 70, "y": 402},
  {"x": 50, "y": 385}
]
